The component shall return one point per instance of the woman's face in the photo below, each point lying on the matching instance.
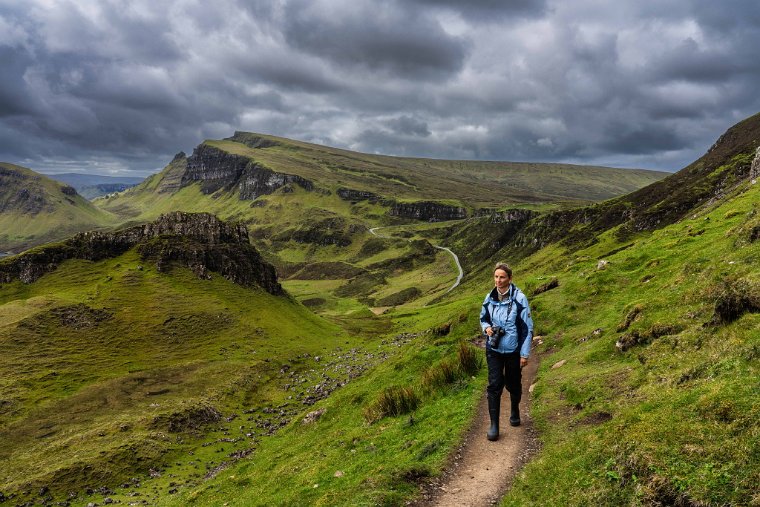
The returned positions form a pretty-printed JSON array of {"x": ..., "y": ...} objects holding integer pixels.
[{"x": 501, "y": 280}]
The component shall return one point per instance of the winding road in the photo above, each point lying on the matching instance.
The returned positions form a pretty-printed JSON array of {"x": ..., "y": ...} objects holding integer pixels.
[{"x": 456, "y": 258}]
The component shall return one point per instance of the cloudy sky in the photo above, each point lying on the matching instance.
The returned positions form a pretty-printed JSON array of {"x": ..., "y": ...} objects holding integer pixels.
[{"x": 120, "y": 86}]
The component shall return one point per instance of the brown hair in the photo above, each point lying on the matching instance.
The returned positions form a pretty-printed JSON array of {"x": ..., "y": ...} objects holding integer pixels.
[{"x": 504, "y": 266}]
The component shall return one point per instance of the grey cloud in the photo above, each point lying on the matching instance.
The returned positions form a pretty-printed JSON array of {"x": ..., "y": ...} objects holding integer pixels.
[
  {"x": 375, "y": 39},
  {"x": 126, "y": 85},
  {"x": 408, "y": 125},
  {"x": 490, "y": 10},
  {"x": 13, "y": 99}
]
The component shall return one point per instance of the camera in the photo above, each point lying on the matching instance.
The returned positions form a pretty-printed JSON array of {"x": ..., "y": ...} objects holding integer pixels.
[{"x": 495, "y": 338}]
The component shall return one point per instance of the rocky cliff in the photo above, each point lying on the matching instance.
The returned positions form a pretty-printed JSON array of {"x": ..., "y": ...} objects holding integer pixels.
[
  {"x": 427, "y": 210},
  {"x": 199, "y": 241},
  {"x": 348, "y": 194},
  {"x": 172, "y": 176},
  {"x": 506, "y": 216},
  {"x": 218, "y": 170}
]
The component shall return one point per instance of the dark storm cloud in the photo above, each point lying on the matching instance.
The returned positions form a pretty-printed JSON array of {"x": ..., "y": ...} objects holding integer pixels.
[
  {"x": 407, "y": 125},
  {"x": 106, "y": 85},
  {"x": 484, "y": 10},
  {"x": 375, "y": 37},
  {"x": 13, "y": 99}
]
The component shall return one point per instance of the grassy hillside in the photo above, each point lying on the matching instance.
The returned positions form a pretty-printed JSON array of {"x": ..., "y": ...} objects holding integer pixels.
[
  {"x": 130, "y": 382},
  {"x": 137, "y": 385},
  {"x": 669, "y": 420},
  {"x": 34, "y": 209},
  {"x": 111, "y": 368},
  {"x": 669, "y": 415},
  {"x": 474, "y": 183}
]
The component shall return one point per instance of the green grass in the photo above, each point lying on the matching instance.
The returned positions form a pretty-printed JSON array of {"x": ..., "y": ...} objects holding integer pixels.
[
  {"x": 125, "y": 360},
  {"x": 672, "y": 419},
  {"x": 143, "y": 344},
  {"x": 473, "y": 182}
]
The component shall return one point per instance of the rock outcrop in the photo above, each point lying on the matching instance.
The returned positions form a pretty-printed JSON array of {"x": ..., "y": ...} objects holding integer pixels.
[
  {"x": 257, "y": 180},
  {"x": 216, "y": 169},
  {"x": 199, "y": 241},
  {"x": 19, "y": 192},
  {"x": 506, "y": 216},
  {"x": 348, "y": 194},
  {"x": 427, "y": 210}
]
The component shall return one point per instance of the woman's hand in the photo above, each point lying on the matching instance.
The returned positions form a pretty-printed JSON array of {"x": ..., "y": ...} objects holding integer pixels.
[
  {"x": 489, "y": 331},
  {"x": 523, "y": 362}
]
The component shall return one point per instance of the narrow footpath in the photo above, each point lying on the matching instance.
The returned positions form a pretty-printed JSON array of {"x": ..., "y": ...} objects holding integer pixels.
[{"x": 481, "y": 471}]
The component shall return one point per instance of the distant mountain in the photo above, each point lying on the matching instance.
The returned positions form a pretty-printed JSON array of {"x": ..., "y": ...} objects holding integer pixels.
[
  {"x": 91, "y": 186},
  {"x": 35, "y": 209},
  {"x": 249, "y": 165}
]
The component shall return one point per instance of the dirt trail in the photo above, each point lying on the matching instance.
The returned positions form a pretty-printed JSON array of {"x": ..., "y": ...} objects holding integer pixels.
[{"x": 482, "y": 471}]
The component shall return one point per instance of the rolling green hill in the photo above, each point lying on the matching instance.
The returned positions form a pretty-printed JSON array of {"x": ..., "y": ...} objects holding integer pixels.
[
  {"x": 34, "y": 209},
  {"x": 218, "y": 167}
]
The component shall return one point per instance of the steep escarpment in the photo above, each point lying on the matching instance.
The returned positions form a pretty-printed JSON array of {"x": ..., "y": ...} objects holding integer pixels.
[
  {"x": 487, "y": 234},
  {"x": 348, "y": 194},
  {"x": 427, "y": 210},
  {"x": 216, "y": 170},
  {"x": 199, "y": 241}
]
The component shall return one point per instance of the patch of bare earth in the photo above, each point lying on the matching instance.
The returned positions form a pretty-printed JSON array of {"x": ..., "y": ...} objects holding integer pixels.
[{"x": 481, "y": 471}]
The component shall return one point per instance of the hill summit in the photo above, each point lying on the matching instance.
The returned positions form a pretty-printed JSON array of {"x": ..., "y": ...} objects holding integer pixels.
[
  {"x": 199, "y": 241},
  {"x": 35, "y": 209}
]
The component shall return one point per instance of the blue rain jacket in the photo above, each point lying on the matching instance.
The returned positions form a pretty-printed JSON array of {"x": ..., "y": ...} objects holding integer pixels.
[{"x": 513, "y": 315}]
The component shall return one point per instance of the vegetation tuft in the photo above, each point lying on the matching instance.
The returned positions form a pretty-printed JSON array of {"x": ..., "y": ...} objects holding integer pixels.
[
  {"x": 392, "y": 401},
  {"x": 734, "y": 297},
  {"x": 470, "y": 359}
]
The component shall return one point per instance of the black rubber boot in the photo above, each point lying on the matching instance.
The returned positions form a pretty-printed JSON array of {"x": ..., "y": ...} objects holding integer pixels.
[
  {"x": 494, "y": 404},
  {"x": 514, "y": 416}
]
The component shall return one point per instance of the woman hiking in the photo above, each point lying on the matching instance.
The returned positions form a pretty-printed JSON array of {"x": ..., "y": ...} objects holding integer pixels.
[{"x": 505, "y": 318}]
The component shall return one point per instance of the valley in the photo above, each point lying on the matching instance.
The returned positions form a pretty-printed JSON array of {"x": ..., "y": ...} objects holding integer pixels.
[{"x": 179, "y": 370}]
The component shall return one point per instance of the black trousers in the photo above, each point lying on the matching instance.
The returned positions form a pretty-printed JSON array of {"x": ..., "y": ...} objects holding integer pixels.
[{"x": 504, "y": 370}]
